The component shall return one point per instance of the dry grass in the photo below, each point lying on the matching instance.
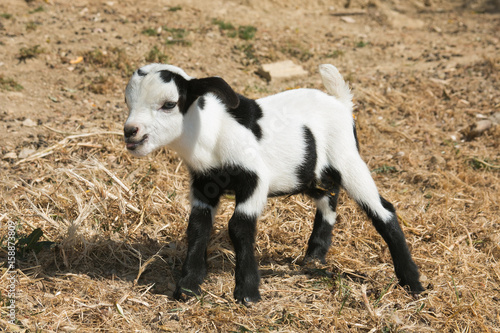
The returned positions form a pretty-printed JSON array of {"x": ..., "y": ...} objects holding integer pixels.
[{"x": 113, "y": 226}]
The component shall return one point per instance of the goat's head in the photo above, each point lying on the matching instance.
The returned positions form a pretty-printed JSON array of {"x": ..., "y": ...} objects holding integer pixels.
[{"x": 158, "y": 97}]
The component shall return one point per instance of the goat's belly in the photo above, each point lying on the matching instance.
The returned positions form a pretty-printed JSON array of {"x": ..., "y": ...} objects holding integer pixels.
[{"x": 282, "y": 186}]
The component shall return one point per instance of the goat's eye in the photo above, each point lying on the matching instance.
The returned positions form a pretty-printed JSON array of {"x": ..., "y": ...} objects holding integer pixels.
[{"x": 168, "y": 105}]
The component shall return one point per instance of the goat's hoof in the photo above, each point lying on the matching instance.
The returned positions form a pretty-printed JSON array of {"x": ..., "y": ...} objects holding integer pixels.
[
  {"x": 313, "y": 260},
  {"x": 247, "y": 298},
  {"x": 183, "y": 293},
  {"x": 416, "y": 289},
  {"x": 248, "y": 301}
]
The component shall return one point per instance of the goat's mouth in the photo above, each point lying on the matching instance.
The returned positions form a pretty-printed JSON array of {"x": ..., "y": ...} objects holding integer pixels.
[{"x": 132, "y": 145}]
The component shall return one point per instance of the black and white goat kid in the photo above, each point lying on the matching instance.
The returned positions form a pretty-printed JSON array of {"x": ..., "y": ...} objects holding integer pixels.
[{"x": 298, "y": 141}]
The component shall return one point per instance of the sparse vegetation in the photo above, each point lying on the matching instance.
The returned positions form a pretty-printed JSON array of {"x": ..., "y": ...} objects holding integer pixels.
[
  {"x": 223, "y": 25},
  {"x": 112, "y": 57},
  {"x": 32, "y": 26},
  {"x": 248, "y": 51},
  {"x": 175, "y": 9},
  {"x": 245, "y": 32},
  {"x": 296, "y": 49},
  {"x": 26, "y": 53},
  {"x": 9, "y": 84},
  {"x": 176, "y": 36},
  {"x": 150, "y": 32},
  {"x": 361, "y": 44},
  {"x": 38, "y": 9},
  {"x": 335, "y": 54},
  {"x": 156, "y": 55}
]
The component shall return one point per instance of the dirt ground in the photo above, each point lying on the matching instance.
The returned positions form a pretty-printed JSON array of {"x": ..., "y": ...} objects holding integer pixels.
[{"x": 426, "y": 83}]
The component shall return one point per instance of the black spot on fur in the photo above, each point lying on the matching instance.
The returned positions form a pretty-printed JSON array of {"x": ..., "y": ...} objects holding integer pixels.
[
  {"x": 248, "y": 114},
  {"x": 141, "y": 72},
  {"x": 329, "y": 183},
  {"x": 305, "y": 172},
  {"x": 191, "y": 90},
  {"x": 216, "y": 86},
  {"x": 307, "y": 181},
  {"x": 201, "y": 102},
  {"x": 208, "y": 186},
  {"x": 166, "y": 76},
  {"x": 182, "y": 87}
]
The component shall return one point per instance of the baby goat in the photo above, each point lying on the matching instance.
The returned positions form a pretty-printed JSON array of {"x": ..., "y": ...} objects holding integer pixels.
[{"x": 298, "y": 141}]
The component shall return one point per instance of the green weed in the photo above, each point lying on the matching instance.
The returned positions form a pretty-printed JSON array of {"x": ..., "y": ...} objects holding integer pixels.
[
  {"x": 385, "y": 169},
  {"x": 32, "y": 26},
  {"x": 246, "y": 32},
  {"x": 150, "y": 32},
  {"x": 174, "y": 9},
  {"x": 361, "y": 44},
  {"x": 29, "y": 53},
  {"x": 9, "y": 84},
  {"x": 155, "y": 55},
  {"x": 223, "y": 25},
  {"x": 177, "y": 36},
  {"x": 37, "y": 10},
  {"x": 335, "y": 54},
  {"x": 114, "y": 58},
  {"x": 297, "y": 50}
]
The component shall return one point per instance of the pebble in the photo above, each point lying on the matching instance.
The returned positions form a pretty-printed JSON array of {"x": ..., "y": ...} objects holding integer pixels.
[{"x": 29, "y": 123}]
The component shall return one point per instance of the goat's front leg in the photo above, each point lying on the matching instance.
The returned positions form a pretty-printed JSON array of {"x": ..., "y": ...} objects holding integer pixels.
[
  {"x": 242, "y": 230},
  {"x": 194, "y": 268}
]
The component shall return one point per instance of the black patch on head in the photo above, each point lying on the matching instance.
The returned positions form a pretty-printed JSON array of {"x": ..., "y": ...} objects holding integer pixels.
[
  {"x": 181, "y": 84},
  {"x": 166, "y": 76},
  {"x": 182, "y": 88},
  {"x": 305, "y": 172},
  {"x": 209, "y": 185},
  {"x": 214, "y": 85},
  {"x": 141, "y": 72},
  {"x": 190, "y": 90},
  {"x": 247, "y": 114},
  {"x": 201, "y": 102}
]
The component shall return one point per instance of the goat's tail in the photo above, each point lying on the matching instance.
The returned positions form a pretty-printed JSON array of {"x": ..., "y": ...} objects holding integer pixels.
[{"x": 335, "y": 84}]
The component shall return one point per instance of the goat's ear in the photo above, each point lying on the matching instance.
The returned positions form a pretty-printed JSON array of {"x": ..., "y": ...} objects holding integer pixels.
[{"x": 217, "y": 86}]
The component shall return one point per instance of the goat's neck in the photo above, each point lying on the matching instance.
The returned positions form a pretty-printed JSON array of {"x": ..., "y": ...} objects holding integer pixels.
[{"x": 198, "y": 142}]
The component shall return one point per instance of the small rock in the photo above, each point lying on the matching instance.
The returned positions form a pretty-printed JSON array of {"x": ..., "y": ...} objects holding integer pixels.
[
  {"x": 495, "y": 118},
  {"x": 478, "y": 128},
  {"x": 25, "y": 152},
  {"x": 29, "y": 123},
  {"x": 437, "y": 162},
  {"x": 9, "y": 156},
  {"x": 281, "y": 70},
  {"x": 347, "y": 19}
]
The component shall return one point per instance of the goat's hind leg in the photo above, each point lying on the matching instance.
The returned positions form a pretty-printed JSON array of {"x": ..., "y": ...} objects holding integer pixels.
[
  {"x": 321, "y": 236},
  {"x": 358, "y": 183},
  {"x": 404, "y": 266}
]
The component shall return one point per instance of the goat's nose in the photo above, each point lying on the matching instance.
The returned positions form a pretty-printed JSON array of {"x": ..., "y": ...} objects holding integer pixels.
[{"x": 130, "y": 131}]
